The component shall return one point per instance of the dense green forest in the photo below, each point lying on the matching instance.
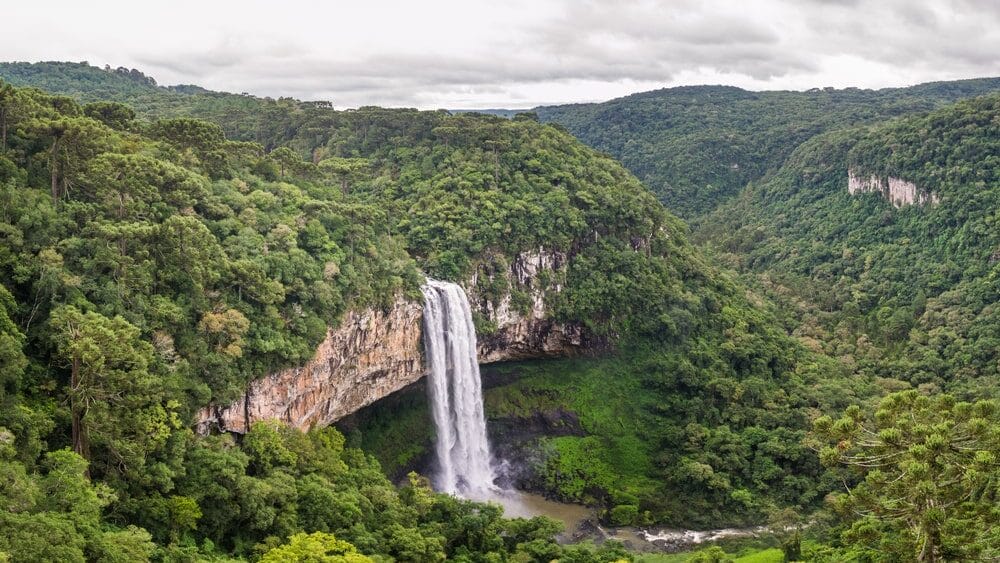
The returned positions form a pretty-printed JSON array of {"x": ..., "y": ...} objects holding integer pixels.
[
  {"x": 907, "y": 298},
  {"x": 152, "y": 265},
  {"x": 903, "y": 299},
  {"x": 907, "y": 294},
  {"x": 162, "y": 247},
  {"x": 698, "y": 146}
]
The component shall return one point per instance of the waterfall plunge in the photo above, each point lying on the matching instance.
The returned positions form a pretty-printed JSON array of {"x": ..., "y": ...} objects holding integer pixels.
[{"x": 463, "y": 452}]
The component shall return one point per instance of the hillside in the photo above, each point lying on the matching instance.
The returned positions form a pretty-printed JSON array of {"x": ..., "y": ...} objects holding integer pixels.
[
  {"x": 153, "y": 265},
  {"x": 697, "y": 146},
  {"x": 898, "y": 291}
]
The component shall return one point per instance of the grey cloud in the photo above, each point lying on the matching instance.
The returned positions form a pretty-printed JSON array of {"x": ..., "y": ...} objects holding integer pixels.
[
  {"x": 912, "y": 34},
  {"x": 613, "y": 41}
]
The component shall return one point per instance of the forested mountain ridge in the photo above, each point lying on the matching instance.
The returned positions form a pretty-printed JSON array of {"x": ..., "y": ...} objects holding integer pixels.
[
  {"x": 697, "y": 146},
  {"x": 905, "y": 293},
  {"x": 152, "y": 265},
  {"x": 906, "y": 296},
  {"x": 304, "y": 126}
]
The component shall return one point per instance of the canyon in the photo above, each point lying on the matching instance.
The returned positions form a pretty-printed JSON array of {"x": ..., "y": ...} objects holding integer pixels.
[{"x": 375, "y": 352}]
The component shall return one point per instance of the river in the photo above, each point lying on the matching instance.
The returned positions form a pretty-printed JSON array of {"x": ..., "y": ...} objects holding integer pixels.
[{"x": 581, "y": 524}]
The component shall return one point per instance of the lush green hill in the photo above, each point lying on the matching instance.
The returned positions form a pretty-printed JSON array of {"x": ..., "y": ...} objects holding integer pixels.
[
  {"x": 904, "y": 293},
  {"x": 303, "y": 125},
  {"x": 150, "y": 265},
  {"x": 151, "y": 262},
  {"x": 697, "y": 146},
  {"x": 903, "y": 296}
]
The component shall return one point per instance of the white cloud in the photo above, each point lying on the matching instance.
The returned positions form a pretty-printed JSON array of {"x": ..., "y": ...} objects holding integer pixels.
[{"x": 475, "y": 53}]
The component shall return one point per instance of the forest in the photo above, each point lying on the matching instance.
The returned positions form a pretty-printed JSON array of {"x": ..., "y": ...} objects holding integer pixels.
[
  {"x": 696, "y": 147},
  {"x": 902, "y": 297},
  {"x": 164, "y": 247}
]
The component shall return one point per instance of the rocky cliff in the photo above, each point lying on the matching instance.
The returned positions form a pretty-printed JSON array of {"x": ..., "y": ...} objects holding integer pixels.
[
  {"x": 897, "y": 191},
  {"x": 519, "y": 323},
  {"x": 374, "y": 353}
]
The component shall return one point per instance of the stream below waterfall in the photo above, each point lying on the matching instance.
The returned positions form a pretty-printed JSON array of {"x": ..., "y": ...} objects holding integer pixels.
[
  {"x": 464, "y": 459},
  {"x": 581, "y": 524}
]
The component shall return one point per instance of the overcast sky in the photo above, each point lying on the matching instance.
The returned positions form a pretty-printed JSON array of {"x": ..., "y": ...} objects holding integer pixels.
[{"x": 477, "y": 54}]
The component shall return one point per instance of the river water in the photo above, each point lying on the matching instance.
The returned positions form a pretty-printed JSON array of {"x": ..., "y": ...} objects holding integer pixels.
[
  {"x": 519, "y": 504},
  {"x": 581, "y": 523}
]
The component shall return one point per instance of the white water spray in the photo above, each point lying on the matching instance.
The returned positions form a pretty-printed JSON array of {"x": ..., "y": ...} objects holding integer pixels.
[{"x": 463, "y": 452}]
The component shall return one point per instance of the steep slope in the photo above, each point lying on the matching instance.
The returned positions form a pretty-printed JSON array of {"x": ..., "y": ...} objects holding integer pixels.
[
  {"x": 697, "y": 146},
  {"x": 884, "y": 244}
]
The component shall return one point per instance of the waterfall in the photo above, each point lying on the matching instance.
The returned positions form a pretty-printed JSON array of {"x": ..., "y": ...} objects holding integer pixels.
[{"x": 463, "y": 452}]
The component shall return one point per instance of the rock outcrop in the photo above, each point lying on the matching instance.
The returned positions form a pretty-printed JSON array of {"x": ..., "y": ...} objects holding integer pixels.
[
  {"x": 374, "y": 353},
  {"x": 371, "y": 354},
  {"x": 524, "y": 330},
  {"x": 897, "y": 191}
]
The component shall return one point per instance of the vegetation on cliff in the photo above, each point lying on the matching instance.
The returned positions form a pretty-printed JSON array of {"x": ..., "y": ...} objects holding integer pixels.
[
  {"x": 697, "y": 146},
  {"x": 904, "y": 296}
]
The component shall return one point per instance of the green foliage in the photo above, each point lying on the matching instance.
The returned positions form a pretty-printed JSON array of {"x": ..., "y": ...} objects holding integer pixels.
[
  {"x": 316, "y": 547},
  {"x": 109, "y": 382},
  {"x": 928, "y": 469},
  {"x": 154, "y": 266},
  {"x": 624, "y": 515},
  {"x": 694, "y": 450},
  {"x": 157, "y": 258},
  {"x": 12, "y": 358},
  {"x": 896, "y": 294},
  {"x": 113, "y": 114},
  {"x": 698, "y": 146},
  {"x": 54, "y": 513}
]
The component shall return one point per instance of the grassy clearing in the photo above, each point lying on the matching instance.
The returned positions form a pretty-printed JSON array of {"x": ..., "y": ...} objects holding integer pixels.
[{"x": 616, "y": 456}]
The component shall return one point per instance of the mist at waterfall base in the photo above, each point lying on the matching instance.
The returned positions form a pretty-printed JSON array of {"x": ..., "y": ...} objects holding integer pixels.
[{"x": 465, "y": 463}]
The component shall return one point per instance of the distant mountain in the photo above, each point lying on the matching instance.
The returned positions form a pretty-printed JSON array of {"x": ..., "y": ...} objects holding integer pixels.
[
  {"x": 697, "y": 146},
  {"x": 505, "y": 113},
  {"x": 302, "y": 125}
]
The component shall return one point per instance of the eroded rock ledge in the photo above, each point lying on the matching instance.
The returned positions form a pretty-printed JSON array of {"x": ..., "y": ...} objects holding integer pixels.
[
  {"x": 897, "y": 191},
  {"x": 374, "y": 353}
]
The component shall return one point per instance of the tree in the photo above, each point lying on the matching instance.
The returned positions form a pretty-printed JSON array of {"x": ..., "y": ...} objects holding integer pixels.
[
  {"x": 345, "y": 170},
  {"x": 8, "y": 97},
  {"x": 188, "y": 133},
  {"x": 12, "y": 358},
  {"x": 714, "y": 554},
  {"x": 317, "y": 547},
  {"x": 73, "y": 141},
  {"x": 928, "y": 468},
  {"x": 115, "y": 115},
  {"x": 199, "y": 143},
  {"x": 129, "y": 187},
  {"x": 115, "y": 401},
  {"x": 287, "y": 160}
]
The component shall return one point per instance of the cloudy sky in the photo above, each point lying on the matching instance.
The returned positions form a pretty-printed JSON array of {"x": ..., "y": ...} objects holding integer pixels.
[{"x": 512, "y": 53}]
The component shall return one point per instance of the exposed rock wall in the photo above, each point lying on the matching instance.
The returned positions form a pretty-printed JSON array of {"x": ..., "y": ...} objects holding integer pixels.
[
  {"x": 374, "y": 353},
  {"x": 524, "y": 329},
  {"x": 370, "y": 355},
  {"x": 897, "y": 191}
]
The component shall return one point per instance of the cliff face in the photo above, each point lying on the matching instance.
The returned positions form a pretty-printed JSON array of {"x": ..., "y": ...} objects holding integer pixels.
[
  {"x": 370, "y": 355},
  {"x": 899, "y": 192},
  {"x": 374, "y": 353},
  {"x": 520, "y": 316}
]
